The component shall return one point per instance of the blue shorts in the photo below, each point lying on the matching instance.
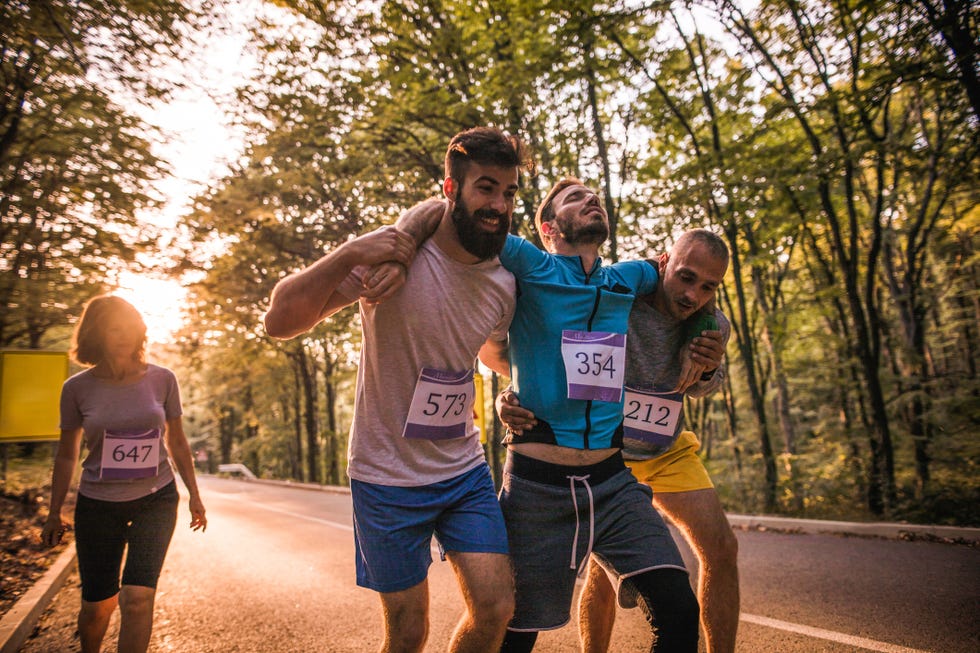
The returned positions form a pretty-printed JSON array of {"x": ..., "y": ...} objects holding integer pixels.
[{"x": 393, "y": 526}]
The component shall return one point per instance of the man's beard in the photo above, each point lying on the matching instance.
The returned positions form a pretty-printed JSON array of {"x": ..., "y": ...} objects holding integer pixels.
[
  {"x": 474, "y": 239},
  {"x": 594, "y": 233}
]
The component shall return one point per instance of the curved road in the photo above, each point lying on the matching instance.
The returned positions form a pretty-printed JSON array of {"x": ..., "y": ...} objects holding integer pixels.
[{"x": 274, "y": 573}]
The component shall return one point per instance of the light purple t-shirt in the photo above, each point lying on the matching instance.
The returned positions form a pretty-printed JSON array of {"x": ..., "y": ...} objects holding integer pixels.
[
  {"x": 439, "y": 319},
  {"x": 97, "y": 406}
]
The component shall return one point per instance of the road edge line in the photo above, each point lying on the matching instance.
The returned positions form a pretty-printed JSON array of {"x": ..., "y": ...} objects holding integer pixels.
[{"x": 19, "y": 622}]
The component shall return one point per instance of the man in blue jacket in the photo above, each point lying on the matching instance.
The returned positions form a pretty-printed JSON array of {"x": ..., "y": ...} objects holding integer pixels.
[{"x": 567, "y": 493}]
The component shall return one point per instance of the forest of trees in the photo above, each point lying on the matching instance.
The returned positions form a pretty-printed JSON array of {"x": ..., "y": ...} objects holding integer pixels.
[{"x": 833, "y": 144}]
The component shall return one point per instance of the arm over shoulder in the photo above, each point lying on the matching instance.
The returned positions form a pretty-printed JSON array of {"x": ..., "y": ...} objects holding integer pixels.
[
  {"x": 301, "y": 300},
  {"x": 641, "y": 276},
  {"x": 520, "y": 257},
  {"x": 422, "y": 220}
]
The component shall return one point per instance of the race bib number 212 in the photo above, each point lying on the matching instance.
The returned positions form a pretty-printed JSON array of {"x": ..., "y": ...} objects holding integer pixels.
[{"x": 652, "y": 416}]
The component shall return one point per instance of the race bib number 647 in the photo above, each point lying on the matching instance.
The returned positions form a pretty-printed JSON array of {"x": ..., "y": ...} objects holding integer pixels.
[{"x": 129, "y": 454}]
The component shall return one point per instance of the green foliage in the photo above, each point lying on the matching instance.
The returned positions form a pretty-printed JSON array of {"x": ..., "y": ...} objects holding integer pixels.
[
  {"x": 835, "y": 173},
  {"x": 834, "y": 147},
  {"x": 74, "y": 165}
]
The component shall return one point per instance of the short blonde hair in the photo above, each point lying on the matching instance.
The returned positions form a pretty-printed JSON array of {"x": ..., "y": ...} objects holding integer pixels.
[{"x": 88, "y": 340}]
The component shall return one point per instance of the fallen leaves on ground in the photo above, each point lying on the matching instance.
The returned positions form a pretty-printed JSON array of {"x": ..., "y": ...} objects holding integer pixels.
[{"x": 23, "y": 560}]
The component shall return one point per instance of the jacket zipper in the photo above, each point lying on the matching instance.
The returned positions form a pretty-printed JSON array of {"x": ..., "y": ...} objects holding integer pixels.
[{"x": 588, "y": 403}]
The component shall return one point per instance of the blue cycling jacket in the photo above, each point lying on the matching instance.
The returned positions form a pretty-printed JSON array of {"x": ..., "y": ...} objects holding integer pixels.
[{"x": 555, "y": 293}]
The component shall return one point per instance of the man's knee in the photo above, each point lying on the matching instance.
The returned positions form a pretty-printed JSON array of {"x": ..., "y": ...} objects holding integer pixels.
[
  {"x": 518, "y": 642},
  {"x": 720, "y": 550},
  {"x": 407, "y": 635},
  {"x": 406, "y": 625},
  {"x": 496, "y": 608},
  {"x": 670, "y": 607},
  {"x": 487, "y": 582},
  {"x": 668, "y": 591}
]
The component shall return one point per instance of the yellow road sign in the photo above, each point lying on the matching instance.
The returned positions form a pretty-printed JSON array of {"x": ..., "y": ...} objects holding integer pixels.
[{"x": 30, "y": 390}]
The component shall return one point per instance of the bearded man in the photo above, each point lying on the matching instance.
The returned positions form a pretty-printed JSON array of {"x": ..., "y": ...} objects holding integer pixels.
[{"x": 415, "y": 462}]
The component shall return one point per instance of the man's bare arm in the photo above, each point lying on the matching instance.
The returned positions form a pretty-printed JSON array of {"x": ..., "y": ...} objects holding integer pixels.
[
  {"x": 301, "y": 300},
  {"x": 421, "y": 221},
  {"x": 495, "y": 354}
]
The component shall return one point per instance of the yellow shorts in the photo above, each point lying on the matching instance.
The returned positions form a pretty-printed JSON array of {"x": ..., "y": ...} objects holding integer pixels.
[{"x": 679, "y": 469}]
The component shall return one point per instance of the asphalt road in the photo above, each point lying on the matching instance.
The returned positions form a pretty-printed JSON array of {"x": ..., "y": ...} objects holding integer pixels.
[{"x": 274, "y": 573}]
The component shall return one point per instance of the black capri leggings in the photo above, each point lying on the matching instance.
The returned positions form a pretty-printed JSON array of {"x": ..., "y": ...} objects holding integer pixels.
[
  {"x": 668, "y": 603},
  {"x": 104, "y": 529}
]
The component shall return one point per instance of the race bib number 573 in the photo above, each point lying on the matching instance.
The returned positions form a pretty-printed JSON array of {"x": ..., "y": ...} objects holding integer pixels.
[
  {"x": 442, "y": 405},
  {"x": 129, "y": 454}
]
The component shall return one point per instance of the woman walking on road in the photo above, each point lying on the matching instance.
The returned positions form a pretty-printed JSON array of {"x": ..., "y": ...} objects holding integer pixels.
[{"x": 128, "y": 413}]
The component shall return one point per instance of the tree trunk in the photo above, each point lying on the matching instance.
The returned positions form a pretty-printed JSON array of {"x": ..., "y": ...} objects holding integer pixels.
[
  {"x": 308, "y": 383},
  {"x": 600, "y": 140},
  {"x": 746, "y": 347},
  {"x": 728, "y": 396},
  {"x": 331, "y": 453},
  {"x": 297, "y": 461},
  {"x": 227, "y": 424}
]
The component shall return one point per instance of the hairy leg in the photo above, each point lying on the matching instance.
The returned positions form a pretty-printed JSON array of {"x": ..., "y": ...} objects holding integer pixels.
[
  {"x": 487, "y": 583},
  {"x": 596, "y": 610},
  {"x": 406, "y": 616},
  {"x": 700, "y": 517}
]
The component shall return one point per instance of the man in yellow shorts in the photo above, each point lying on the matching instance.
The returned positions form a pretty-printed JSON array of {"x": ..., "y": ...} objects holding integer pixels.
[{"x": 657, "y": 448}]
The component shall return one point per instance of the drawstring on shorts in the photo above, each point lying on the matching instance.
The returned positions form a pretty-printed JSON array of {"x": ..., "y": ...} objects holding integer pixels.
[
  {"x": 566, "y": 476},
  {"x": 584, "y": 480}
]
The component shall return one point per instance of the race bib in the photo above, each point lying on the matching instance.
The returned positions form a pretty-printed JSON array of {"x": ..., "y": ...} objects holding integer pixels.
[
  {"x": 128, "y": 454},
  {"x": 652, "y": 416},
  {"x": 594, "y": 364},
  {"x": 442, "y": 405}
]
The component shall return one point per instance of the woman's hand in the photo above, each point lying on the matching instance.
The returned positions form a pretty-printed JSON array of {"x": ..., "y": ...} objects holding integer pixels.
[
  {"x": 52, "y": 531},
  {"x": 198, "y": 519}
]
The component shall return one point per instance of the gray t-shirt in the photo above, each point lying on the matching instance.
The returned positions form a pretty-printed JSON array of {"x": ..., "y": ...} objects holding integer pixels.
[
  {"x": 653, "y": 345},
  {"x": 142, "y": 408},
  {"x": 438, "y": 320}
]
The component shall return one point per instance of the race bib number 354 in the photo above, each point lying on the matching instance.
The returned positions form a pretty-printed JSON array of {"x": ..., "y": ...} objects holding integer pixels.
[
  {"x": 442, "y": 405},
  {"x": 594, "y": 364},
  {"x": 129, "y": 454}
]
